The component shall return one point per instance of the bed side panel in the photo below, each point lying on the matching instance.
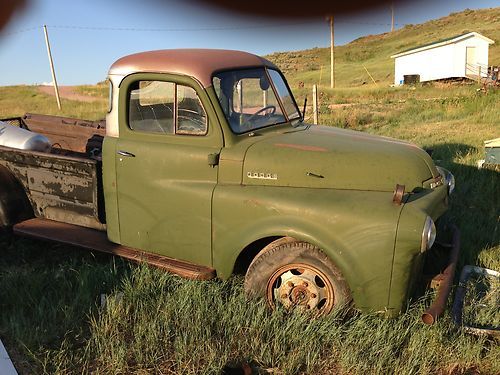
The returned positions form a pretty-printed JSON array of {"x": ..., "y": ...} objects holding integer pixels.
[{"x": 59, "y": 188}]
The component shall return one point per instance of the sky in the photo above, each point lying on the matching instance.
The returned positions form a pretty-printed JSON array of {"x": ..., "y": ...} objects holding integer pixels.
[{"x": 87, "y": 36}]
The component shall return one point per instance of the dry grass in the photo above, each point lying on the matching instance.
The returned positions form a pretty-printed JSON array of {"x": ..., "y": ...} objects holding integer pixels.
[
  {"x": 374, "y": 51},
  {"x": 17, "y": 100}
]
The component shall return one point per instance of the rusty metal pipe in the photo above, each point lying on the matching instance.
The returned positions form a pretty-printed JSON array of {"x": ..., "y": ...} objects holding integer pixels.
[{"x": 437, "y": 307}]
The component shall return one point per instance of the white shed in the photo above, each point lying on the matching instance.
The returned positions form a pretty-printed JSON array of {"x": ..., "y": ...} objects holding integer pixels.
[{"x": 463, "y": 55}]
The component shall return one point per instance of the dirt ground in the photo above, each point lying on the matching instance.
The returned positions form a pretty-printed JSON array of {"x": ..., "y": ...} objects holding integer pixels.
[{"x": 67, "y": 92}]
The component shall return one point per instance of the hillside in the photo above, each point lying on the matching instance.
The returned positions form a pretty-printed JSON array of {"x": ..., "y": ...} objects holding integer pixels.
[{"x": 374, "y": 51}]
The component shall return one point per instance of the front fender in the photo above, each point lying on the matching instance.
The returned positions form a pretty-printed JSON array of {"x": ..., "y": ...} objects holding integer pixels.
[
  {"x": 356, "y": 229},
  {"x": 408, "y": 259}
]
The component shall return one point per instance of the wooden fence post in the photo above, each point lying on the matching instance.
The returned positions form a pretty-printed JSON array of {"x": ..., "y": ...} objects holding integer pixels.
[{"x": 315, "y": 104}]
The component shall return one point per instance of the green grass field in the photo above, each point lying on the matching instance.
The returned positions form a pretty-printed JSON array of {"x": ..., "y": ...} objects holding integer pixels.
[
  {"x": 50, "y": 301},
  {"x": 52, "y": 319}
]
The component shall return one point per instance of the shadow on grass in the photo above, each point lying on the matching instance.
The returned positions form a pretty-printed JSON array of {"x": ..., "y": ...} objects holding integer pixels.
[
  {"x": 48, "y": 292},
  {"x": 475, "y": 203}
]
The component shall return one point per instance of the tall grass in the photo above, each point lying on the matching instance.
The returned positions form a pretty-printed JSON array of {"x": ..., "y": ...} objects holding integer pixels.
[
  {"x": 157, "y": 323},
  {"x": 53, "y": 322}
]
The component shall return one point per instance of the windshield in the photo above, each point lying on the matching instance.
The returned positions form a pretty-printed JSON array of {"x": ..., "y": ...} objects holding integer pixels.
[{"x": 250, "y": 102}]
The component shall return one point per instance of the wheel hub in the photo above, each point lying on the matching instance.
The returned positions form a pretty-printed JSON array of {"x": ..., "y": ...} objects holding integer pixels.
[{"x": 300, "y": 287}]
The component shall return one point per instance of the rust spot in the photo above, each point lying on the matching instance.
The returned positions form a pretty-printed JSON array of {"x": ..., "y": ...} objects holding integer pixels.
[
  {"x": 399, "y": 193},
  {"x": 254, "y": 202},
  {"x": 301, "y": 147}
]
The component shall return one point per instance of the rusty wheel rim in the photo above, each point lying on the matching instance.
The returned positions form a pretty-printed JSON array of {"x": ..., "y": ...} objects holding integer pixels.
[{"x": 300, "y": 287}]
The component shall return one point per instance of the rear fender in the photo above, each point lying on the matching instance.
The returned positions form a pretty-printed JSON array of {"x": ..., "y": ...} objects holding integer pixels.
[{"x": 14, "y": 203}]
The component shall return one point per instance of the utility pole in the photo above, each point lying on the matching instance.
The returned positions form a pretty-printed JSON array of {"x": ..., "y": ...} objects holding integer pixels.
[
  {"x": 332, "y": 55},
  {"x": 392, "y": 16},
  {"x": 56, "y": 88}
]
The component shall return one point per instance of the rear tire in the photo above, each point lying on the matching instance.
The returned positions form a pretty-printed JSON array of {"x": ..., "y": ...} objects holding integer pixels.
[{"x": 297, "y": 275}]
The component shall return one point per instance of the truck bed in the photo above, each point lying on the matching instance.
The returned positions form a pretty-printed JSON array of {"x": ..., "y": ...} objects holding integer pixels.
[{"x": 66, "y": 184}]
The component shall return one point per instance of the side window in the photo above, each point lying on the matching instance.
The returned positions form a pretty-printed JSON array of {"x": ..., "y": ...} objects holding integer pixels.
[
  {"x": 151, "y": 107},
  {"x": 110, "y": 95},
  {"x": 167, "y": 108},
  {"x": 191, "y": 117}
]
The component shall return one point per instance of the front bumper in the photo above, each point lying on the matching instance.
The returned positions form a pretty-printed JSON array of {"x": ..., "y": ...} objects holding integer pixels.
[{"x": 444, "y": 279}]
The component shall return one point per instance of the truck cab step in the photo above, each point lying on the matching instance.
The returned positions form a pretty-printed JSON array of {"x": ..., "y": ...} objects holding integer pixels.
[{"x": 93, "y": 239}]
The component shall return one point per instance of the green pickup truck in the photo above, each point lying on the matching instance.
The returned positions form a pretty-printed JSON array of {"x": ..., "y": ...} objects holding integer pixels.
[{"x": 206, "y": 168}]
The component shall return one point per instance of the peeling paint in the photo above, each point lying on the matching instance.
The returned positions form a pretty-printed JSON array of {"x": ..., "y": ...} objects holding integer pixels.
[{"x": 62, "y": 188}]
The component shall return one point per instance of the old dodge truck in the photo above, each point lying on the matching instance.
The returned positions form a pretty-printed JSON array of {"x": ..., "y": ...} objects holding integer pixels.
[{"x": 205, "y": 167}]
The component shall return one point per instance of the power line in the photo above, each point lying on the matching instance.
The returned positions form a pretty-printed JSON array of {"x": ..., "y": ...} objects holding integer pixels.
[
  {"x": 193, "y": 29},
  {"x": 105, "y": 28},
  {"x": 21, "y": 31},
  {"x": 224, "y": 28},
  {"x": 371, "y": 23}
]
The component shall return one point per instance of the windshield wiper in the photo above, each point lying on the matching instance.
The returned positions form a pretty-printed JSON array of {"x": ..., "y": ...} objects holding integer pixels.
[{"x": 304, "y": 110}]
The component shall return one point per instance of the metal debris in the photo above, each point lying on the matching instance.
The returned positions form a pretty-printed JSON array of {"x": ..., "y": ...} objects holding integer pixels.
[{"x": 458, "y": 305}]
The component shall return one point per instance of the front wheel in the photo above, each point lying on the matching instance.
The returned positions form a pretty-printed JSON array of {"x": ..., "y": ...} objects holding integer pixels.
[{"x": 297, "y": 275}]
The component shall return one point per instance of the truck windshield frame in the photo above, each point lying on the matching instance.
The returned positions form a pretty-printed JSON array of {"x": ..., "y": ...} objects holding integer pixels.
[{"x": 254, "y": 98}]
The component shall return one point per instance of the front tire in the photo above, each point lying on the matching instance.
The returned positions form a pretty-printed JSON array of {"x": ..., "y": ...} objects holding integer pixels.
[{"x": 297, "y": 275}]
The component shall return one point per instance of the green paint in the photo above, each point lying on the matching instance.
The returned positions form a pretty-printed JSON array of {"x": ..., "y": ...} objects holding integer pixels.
[{"x": 327, "y": 186}]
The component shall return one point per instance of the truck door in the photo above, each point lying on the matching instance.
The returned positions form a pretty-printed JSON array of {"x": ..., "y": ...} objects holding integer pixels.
[{"x": 166, "y": 158}]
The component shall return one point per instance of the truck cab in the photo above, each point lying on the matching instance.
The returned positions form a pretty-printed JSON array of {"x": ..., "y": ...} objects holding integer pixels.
[{"x": 176, "y": 132}]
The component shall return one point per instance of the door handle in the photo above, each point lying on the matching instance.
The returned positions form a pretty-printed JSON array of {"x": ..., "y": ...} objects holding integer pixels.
[{"x": 126, "y": 153}]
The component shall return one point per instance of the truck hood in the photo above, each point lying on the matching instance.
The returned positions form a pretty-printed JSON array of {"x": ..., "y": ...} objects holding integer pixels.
[{"x": 328, "y": 157}]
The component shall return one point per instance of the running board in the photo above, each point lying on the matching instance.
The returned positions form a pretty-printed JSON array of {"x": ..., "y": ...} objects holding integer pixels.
[{"x": 92, "y": 239}]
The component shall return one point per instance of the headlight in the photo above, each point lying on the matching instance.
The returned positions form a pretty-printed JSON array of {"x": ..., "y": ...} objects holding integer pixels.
[
  {"x": 450, "y": 181},
  {"x": 428, "y": 234}
]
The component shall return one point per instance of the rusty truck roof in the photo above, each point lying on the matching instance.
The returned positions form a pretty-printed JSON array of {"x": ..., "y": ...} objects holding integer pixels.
[{"x": 198, "y": 63}]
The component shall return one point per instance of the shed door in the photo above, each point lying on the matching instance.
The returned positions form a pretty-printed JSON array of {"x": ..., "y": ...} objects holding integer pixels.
[{"x": 471, "y": 62}]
